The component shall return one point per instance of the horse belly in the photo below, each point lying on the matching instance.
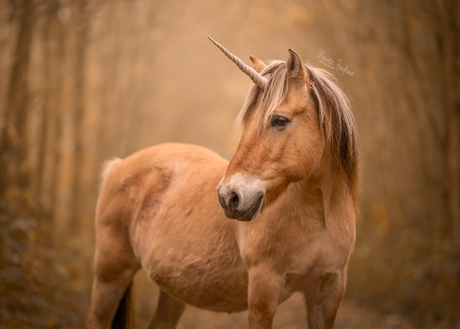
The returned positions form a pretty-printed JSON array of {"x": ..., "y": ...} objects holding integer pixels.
[{"x": 213, "y": 283}]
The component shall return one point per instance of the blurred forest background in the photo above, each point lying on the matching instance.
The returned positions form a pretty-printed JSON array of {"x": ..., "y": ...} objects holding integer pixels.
[{"x": 82, "y": 81}]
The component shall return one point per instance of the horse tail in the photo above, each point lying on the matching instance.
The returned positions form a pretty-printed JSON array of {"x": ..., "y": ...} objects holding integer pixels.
[
  {"x": 124, "y": 317},
  {"x": 107, "y": 167}
]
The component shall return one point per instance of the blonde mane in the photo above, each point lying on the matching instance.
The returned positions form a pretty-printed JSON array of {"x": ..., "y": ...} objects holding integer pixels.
[{"x": 334, "y": 111}]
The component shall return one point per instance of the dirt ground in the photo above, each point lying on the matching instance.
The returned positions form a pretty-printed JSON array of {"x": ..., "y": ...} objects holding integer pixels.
[{"x": 290, "y": 315}]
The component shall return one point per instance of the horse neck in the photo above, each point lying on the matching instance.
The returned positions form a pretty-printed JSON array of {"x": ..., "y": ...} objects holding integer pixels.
[{"x": 323, "y": 194}]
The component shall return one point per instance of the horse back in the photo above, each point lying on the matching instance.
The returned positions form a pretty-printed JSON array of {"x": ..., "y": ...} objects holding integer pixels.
[{"x": 132, "y": 188}]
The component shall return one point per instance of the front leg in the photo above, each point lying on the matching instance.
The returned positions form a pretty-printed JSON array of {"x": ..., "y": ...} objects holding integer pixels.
[
  {"x": 264, "y": 291},
  {"x": 323, "y": 299}
]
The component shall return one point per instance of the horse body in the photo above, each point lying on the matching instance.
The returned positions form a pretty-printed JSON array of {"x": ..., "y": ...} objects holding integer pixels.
[
  {"x": 169, "y": 187},
  {"x": 293, "y": 204}
]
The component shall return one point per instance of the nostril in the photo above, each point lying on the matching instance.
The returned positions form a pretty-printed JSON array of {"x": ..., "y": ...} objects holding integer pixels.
[{"x": 234, "y": 201}]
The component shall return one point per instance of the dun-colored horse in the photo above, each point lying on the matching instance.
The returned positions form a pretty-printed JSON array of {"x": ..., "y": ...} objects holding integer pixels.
[{"x": 290, "y": 187}]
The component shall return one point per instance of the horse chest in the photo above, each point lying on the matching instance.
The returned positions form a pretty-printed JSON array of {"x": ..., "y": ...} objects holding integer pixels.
[{"x": 304, "y": 257}]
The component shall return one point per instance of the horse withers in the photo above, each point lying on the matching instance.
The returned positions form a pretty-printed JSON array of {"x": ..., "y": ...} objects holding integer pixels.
[{"x": 291, "y": 188}]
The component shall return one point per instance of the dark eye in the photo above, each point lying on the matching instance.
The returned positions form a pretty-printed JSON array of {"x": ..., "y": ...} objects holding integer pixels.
[{"x": 278, "y": 121}]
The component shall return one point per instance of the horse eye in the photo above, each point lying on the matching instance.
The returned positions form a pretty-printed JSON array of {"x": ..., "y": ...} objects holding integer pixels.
[{"x": 278, "y": 121}]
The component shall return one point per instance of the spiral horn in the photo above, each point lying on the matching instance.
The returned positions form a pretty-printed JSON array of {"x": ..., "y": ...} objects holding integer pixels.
[{"x": 259, "y": 80}]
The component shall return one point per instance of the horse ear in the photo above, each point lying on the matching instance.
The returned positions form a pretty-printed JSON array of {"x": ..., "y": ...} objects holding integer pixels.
[
  {"x": 296, "y": 73},
  {"x": 257, "y": 64}
]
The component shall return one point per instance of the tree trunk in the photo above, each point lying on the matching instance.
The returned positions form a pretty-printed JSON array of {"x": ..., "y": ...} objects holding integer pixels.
[
  {"x": 79, "y": 71},
  {"x": 13, "y": 143}
]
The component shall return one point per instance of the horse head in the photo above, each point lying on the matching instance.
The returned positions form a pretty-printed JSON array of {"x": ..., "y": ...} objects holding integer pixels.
[{"x": 282, "y": 140}]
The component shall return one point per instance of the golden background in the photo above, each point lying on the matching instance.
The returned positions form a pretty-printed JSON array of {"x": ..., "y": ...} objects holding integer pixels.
[{"x": 83, "y": 81}]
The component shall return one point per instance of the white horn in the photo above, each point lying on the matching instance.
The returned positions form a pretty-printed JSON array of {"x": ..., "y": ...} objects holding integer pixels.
[{"x": 259, "y": 80}]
